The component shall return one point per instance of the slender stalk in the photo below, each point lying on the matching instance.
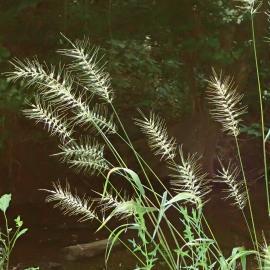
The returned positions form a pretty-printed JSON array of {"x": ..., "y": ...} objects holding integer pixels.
[
  {"x": 261, "y": 113},
  {"x": 218, "y": 249},
  {"x": 8, "y": 242},
  {"x": 249, "y": 229},
  {"x": 248, "y": 200}
]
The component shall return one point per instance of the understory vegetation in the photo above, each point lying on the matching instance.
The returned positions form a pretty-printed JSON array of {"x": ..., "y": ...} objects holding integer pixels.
[
  {"x": 9, "y": 235},
  {"x": 75, "y": 102}
]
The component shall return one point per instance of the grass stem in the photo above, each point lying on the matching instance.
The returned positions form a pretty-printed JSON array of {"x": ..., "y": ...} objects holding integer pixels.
[{"x": 261, "y": 113}]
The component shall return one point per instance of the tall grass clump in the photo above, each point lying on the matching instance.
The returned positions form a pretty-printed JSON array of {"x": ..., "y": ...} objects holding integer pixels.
[{"x": 76, "y": 104}]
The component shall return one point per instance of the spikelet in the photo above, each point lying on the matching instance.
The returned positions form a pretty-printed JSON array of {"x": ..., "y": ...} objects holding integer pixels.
[
  {"x": 53, "y": 122},
  {"x": 70, "y": 204},
  {"x": 85, "y": 156},
  {"x": 265, "y": 255},
  {"x": 54, "y": 86},
  {"x": 223, "y": 97},
  {"x": 188, "y": 176},
  {"x": 158, "y": 139},
  {"x": 121, "y": 208},
  {"x": 236, "y": 188},
  {"x": 86, "y": 63},
  {"x": 97, "y": 118},
  {"x": 29, "y": 71}
]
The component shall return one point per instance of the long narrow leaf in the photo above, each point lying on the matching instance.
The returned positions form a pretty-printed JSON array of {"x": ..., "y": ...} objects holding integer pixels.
[{"x": 133, "y": 179}]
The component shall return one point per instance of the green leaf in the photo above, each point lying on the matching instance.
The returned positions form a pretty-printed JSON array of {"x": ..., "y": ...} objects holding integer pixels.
[
  {"x": 18, "y": 222},
  {"x": 239, "y": 253},
  {"x": 184, "y": 196},
  {"x": 161, "y": 213},
  {"x": 20, "y": 233},
  {"x": 4, "y": 202},
  {"x": 133, "y": 179}
]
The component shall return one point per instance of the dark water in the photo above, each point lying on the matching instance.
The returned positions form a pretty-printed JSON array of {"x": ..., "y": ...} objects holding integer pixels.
[{"x": 42, "y": 247}]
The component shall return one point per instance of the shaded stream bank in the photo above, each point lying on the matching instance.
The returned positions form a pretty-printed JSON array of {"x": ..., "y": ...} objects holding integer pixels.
[{"x": 49, "y": 232}]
